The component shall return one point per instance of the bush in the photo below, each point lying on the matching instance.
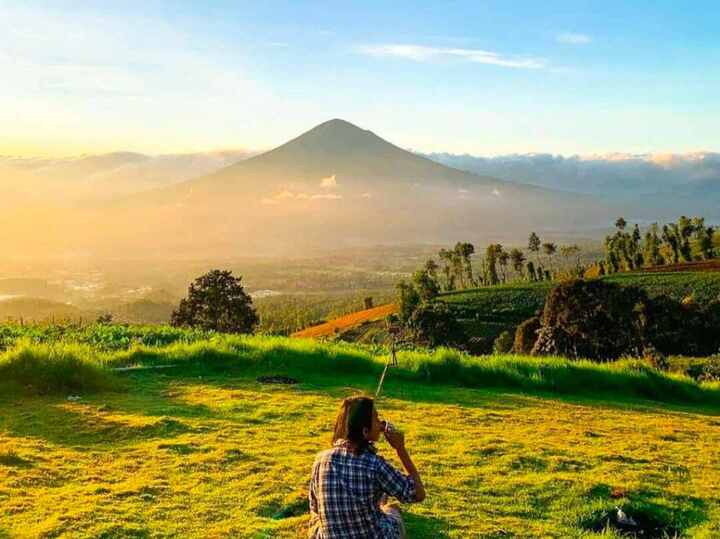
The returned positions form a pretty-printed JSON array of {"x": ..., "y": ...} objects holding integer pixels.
[
  {"x": 526, "y": 335},
  {"x": 593, "y": 319},
  {"x": 503, "y": 344},
  {"x": 432, "y": 324},
  {"x": 683, "y": 327}
]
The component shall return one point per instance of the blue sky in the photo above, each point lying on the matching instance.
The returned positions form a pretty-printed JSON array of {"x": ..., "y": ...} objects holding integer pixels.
[{"x": 480, "y": 77}]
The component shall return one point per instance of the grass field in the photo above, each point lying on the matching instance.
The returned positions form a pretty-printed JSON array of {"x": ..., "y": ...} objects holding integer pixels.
[{"x": 535, "y": 448}]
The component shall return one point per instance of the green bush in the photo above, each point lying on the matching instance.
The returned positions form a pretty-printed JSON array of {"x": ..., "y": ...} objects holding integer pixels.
[
  {"x": 593, "y": 319},
  {"x": 503, "y": 344},
  {"x": 526, "y": 335}
]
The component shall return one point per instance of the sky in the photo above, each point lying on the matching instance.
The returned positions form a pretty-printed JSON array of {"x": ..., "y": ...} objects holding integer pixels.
[{"x": 486, "y": 78}]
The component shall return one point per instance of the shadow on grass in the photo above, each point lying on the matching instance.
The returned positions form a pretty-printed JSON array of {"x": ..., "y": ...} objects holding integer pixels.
[
  {"x": 425, "y": 527},
  {"x": 63, "y": 424}
]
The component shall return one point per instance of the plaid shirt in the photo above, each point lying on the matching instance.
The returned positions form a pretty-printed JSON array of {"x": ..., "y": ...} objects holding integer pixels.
[{"x": 346, "y": 491}]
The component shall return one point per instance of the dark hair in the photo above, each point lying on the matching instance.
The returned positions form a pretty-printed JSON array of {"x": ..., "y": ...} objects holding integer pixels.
[{"x": 355, "y": 414}]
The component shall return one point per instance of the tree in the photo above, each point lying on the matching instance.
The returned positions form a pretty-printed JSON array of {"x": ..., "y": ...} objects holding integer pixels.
[
  {"x": 517, "y": 259},
  {"x": 408, "y": 299},
  {"x": 531, "y": 271},
  {"x": 568, "y": 251},
  {"x": 549, "y": 249},
  {"x": 534, "y": 244},
  {"x": 491, "y": 256},
  {"x": 620, "y": 224},
  {"x": 426, "y": 287},
  {"x": 446, "y": 258},
  {"x": 217, "y": 301},
  {"x": 464, "y": 251},
  {"x": 503, "y": 258},
  {"x": 432, "y": 268},
  {"x": 433, "y": 324},
  {"x": 651, "y": 249},
  {"x": 594, "y": 320}
]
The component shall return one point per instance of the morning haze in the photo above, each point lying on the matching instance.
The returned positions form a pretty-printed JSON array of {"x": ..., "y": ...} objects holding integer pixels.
[{"x": 408, "y": 270}]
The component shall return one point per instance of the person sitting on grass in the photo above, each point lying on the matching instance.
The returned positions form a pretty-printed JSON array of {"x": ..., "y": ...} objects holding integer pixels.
[{"x": 351, "y": 483}]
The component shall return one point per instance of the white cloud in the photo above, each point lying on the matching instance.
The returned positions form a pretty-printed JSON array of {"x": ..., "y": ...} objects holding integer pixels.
[
  {"x": 366, "y": 195},
  {"x": 496, "y": 192},
  {"x": 572, "y": 38},
  {"x": 269, "y": 201},
  {"x": 422, "y": 53},
  {"x": 329, "y": 183},
  {"x": 329, "y": 196}
]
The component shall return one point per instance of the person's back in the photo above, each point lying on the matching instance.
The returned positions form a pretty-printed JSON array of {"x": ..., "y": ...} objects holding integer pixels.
[{"x": 350, "y": 483}]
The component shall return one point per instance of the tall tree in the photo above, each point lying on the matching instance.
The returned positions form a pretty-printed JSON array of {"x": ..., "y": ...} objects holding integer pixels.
[
  {"x": 534, "y": 245},
  {"x": 549, "y": 249},
  {"x": 620, "y": 224},
  {"x": 447, "y": 268},
  {"x": 427, "y": 287},
  {"x": 651, "y": 248},
  {"x": 517, "y": 259},
  {"x": 491, "y": 255},
  {"x": 503, "y": 258}
]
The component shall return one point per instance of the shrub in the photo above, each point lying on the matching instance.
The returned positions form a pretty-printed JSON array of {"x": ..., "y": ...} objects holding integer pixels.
[
  {"x": 503, "y": 344},
  {"x": 683, "y": 327},
  {"x": 592, "y": 319},
  {"x": 432, "y": 324},
  {"x": 526, "y": 335}
]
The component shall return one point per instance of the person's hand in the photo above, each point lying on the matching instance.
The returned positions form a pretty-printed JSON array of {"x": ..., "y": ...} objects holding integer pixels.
[{"x": 395, "y": 438}]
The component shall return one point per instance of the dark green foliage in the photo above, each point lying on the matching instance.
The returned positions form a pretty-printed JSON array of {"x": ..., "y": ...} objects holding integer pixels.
[
  {"x": 706, "y": 371},
  {"x": 425, "y": 285},
  {"x": 408, "y": 300},
  {"x": 432, "y": 324},
  {"x": 217, "y": 301},
  {"x": 504, "y": 343},
  {"x": 683, "y": 327},
  {"x": 526, "y": 335},
  {"x": 592, "y": 319}
]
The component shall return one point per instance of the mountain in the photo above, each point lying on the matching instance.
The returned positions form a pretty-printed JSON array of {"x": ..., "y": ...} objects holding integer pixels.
[
  {"x": 105, "y": 176},
  {"x": 338, "y": 184},
  {"x": 333, "y": 186},
  {"x": 654, "y": 186}
]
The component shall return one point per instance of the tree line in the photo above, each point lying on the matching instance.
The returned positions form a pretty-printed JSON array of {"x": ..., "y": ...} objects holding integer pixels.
[
  {"x": 687, "y": 240},
  {"x": 455, "y": 268}
]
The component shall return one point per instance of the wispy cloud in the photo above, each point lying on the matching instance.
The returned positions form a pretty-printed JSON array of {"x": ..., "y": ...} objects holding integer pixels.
[
  {"x": 329, "y": 183},
  {"x": 422, "y": 53},
  {"x": 573, "y": 38}
]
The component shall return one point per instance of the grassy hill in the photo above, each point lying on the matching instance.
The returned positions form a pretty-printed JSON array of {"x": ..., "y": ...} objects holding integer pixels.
[{"x": 534, "y": 448}]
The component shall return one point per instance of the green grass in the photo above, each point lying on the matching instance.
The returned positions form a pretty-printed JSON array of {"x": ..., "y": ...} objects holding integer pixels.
[{"x": 535, "y": 448}]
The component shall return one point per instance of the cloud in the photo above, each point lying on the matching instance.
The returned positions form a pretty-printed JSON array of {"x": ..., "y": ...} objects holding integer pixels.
[
  {"x": 366, "y": 195},
  {"x": 422, "y": 53},
  {"x": 328, "y": 183},
  {"x": 572, "y": 38},
  {"x": 496, "y": 192},
  {"x": 289, "y": 195}
]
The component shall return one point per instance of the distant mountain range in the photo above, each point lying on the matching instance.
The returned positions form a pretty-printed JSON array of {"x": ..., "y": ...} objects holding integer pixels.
[
  {"x": 655, "y": 186},
  {"x": 102, "y": 177},
  {"x": 335, "y": 185}
]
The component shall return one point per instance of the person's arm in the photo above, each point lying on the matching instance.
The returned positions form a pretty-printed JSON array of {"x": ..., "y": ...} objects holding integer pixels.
[{"x": 397, "y": 440}]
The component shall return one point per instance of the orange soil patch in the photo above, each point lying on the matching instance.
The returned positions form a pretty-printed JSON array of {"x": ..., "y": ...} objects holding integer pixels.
[{"x": 346, "y": 322}]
